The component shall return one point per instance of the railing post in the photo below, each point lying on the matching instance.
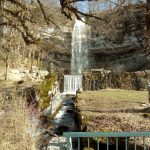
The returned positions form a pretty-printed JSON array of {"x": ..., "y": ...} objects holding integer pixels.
[
  {"x": 117, "y": 143},
  {"x": 107, "y": 143},
  {"x": 88, "y": 144},
  {"x": 126, "y": 143},
  {"x": 134, "y": 143},
  {"x": 144, "y": 143},
  {"x": 69, "y": 143},
  {"x": 78, "y": 143},
  {"x": 97, "y": 144}
]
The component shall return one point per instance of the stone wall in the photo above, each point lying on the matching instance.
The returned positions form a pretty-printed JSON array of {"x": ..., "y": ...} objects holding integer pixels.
[{"x": 101, "y": 79}]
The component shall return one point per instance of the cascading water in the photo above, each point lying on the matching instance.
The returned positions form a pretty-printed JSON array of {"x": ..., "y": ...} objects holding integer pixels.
[
  {"x": 66, "y": 118},
  {"x": 79, "y": 60},
  {"x": 72, "y": 83},
  {"x": 80, "y": 35}
]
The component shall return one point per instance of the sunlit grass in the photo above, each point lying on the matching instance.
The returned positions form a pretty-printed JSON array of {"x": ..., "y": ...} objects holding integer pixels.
[
  {"x": 114, "y": 110},
  {"x": 112, "y": 99}
]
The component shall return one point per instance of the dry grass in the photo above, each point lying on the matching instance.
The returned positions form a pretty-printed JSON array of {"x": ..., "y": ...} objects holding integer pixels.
[
  {"x": 15, "y": 125},
  {"x": 114, "y": 110},
  {"x": 2, "y": 66},
  {"x": 111, "y": 99}
]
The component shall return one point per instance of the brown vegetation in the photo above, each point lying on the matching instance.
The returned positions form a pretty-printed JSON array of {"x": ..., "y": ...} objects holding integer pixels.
[
  {"x": 114, "y": 110},
  {"x": 16, "y": 131},
  {"x": 101, "y": 110}
]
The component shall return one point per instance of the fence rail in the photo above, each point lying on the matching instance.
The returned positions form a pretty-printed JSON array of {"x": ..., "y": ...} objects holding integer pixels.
[{"x": 107, "y": 136}]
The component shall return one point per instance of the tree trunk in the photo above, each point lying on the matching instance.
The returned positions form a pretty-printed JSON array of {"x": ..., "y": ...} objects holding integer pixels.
[
  {"x": 148, "y": 15},
  {"x": 29, "y": 59},
  {"x": 32, "y": 59},
  {"x": 38, "y": 61},
  {"x": 6, "y": 71},
  {"x": 41, "y": 61},
  {"x": 148, "y": 89}
]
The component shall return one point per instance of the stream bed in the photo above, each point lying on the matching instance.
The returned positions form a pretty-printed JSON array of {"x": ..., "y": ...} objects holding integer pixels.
[{"x": 64, "y": 120}]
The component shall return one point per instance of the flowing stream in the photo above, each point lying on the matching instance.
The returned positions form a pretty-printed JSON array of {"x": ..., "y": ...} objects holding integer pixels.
[
  {"x": 65, "y": 118},
  {"x": 64, "y": 121}
]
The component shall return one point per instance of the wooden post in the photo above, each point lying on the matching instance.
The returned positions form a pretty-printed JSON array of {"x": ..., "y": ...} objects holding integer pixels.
[
  {"x": 148, "y": 15},
  {"x": 148, "y": 89}
]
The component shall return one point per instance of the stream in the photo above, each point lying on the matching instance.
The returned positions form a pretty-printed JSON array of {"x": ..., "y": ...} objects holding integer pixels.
[
  {"x": 63, "y": 121},
  {"x": 65, "y": 118}
]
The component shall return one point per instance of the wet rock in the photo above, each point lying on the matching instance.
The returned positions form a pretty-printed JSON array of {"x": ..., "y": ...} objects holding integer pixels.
[
  {"x": 80, "y": 90},
  {"x": 59, "y": 130},
  {"x": 20, "y": 82},
  {"x": 57, "y": 143},
  {"x": 70, "y": 111}
]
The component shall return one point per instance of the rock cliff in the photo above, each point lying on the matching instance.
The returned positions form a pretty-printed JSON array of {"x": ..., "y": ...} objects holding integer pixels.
[{"x": 121, "y": 49}]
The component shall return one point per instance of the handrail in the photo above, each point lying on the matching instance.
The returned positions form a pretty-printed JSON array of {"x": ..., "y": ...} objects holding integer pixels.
[{"x": 106, "y": 134}]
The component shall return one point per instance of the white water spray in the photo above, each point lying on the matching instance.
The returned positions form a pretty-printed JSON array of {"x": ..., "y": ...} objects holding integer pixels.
[
  {"x": 72, "y": 83},
  {"x": 80, "y": 35}
]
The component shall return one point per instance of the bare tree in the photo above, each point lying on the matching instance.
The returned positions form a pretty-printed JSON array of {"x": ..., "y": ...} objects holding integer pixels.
[
  {"x": 5, "y": 52},
  {"x": 25, "y": 16}
]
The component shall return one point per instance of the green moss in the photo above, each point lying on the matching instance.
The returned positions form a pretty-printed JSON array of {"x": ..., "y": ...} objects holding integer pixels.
[
  {"x": 95, "y": 76},
  {"x": 44, "y": 88}
]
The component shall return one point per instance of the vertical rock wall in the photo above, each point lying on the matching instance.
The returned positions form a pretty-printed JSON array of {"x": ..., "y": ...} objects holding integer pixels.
[
  {"x": 121, "y": 47},
  {"x": 101, "y": 79}
]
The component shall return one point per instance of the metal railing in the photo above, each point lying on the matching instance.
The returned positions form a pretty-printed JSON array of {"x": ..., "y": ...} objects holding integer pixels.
[{"x": 107, "y": 135}]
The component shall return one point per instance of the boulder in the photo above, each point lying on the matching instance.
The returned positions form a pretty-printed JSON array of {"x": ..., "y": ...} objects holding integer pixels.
[
  {"x": 14, "y": 71},
  {"x": 57, "y": 143}
]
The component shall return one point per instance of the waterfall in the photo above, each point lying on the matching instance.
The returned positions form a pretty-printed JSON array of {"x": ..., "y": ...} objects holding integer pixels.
[
  {"x": 79, "y": 60},
  {"x": 72, "y": 83}
]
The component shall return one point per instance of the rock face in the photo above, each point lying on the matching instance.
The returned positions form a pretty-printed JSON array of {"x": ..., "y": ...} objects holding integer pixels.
[
  {"x": 121, "y": 49},
  {"x": 101, "y": 79},
  {"x": 59, "y": 55}
]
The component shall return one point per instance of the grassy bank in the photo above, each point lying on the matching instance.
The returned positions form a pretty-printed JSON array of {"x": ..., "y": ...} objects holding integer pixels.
[
  {"x": 114, "y": 110},
  {"x": 111, "y": 99}
]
